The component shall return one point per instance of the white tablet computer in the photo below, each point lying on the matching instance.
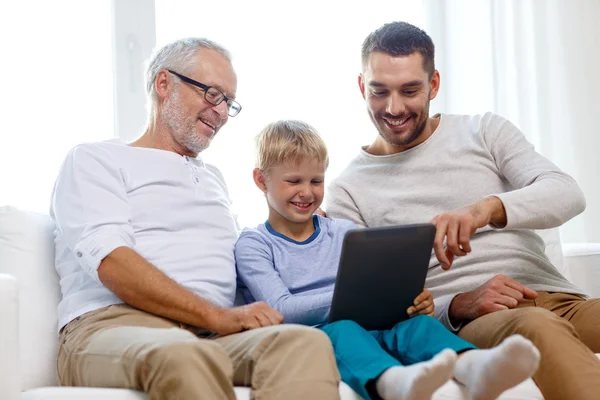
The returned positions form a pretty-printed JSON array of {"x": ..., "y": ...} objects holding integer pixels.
[{"x": 381, "y": 272}]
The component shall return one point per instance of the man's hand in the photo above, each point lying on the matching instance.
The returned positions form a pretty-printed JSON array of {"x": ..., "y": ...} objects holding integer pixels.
[
  {"x": 251, "y": 316},
  {"x": 422, "y": 305},
  {"x": 457, "y": 227},
  {"x": 499, "y": 293},
  {"x": 321, "y": 212}
]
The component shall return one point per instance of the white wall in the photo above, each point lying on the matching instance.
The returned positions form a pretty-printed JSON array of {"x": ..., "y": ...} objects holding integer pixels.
[{"x": 134, "y": 38}]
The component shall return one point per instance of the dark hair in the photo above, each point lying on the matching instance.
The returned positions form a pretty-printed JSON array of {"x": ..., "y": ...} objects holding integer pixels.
[{"x": 400, "y": 39}]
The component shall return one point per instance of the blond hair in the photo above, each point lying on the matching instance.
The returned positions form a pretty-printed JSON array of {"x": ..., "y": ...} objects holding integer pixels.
[{"x": 288, "y": 141}]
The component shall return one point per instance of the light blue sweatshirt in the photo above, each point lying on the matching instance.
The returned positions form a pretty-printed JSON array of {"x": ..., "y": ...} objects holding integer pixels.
[{"x": 295, "y": 278}]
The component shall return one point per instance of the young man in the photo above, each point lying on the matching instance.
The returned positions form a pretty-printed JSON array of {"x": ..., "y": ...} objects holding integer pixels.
[
  {"x": 291, "y": 262},
  {"x": 486, "y": 189},
  {"x": 144, "y": 251}
]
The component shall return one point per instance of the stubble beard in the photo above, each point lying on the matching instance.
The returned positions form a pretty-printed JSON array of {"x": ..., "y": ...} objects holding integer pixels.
[
  {"x": 182, "y": 126},
  {"x": 414, "y": 135}
]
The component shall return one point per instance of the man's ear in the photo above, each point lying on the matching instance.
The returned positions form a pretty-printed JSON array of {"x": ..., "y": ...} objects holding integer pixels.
[
  {"x": 163, "y": 83},
  {"x": 259, "y": 179},
  {"x": 434, "y": 84},
  {"x": 361, "y": 85}
]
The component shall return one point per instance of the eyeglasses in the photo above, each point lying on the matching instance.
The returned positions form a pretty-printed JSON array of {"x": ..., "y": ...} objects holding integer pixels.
[{"x": 213, "y": 95}]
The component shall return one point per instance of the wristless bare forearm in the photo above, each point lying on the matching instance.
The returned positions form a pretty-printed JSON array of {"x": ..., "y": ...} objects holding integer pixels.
[
  {"x": 455, "y": 310},
  {"x": 140, "y": 284},
  {"x": 496, "y": 209}
]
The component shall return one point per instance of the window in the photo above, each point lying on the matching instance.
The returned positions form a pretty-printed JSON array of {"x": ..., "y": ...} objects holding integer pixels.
[
  {"x": 295, "y": 60},
  {"x": 57, "y": 90}
]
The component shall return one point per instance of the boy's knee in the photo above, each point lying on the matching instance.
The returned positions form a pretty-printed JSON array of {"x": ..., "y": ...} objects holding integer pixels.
[
  {"x": 424, "y": 319},
  {"x": 425, "y": 322},
  {"x": 344, "y": 325}
]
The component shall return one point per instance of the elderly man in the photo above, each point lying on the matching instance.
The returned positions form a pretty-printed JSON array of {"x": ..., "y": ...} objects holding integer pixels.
[
  {"x": 486, "y": 189},
  {"x": 144, "y": 250}
]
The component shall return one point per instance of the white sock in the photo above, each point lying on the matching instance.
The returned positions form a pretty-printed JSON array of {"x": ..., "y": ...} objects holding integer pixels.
[
  {"x": 488, "y": 373},
  {"x": 417, "y": 381}
]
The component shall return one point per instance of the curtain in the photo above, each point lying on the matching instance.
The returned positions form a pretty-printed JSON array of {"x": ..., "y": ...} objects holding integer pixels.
[{"x": 533, "y": 62}]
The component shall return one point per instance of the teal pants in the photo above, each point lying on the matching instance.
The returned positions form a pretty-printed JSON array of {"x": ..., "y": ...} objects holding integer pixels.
[{"x": 363, "y": 355}]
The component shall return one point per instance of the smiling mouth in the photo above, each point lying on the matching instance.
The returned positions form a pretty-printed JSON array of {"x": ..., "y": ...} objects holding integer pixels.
[
  {"x": 207, "y": 123},
  {"x": 301, "y": 205},
  {"x": 397, "y": 122}
]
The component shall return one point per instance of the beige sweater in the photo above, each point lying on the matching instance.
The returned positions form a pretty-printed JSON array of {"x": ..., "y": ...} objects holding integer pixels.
[{"x": 466, "y": 159}]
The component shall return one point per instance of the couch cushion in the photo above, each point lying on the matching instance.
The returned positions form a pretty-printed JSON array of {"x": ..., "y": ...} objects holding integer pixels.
[
  {"x": 527, "y": 390},
  {"x": 27, "y": 253},
  {"x": 450, "y": 391},
  {"x": 70, "y": 393}
]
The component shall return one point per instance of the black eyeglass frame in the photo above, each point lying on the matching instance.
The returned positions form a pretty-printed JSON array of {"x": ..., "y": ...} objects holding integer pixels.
[{"x": 230, "y": 102}]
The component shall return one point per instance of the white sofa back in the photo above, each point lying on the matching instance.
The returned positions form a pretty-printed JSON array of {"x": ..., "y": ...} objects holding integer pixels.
[{"x": 27, "y": 253}]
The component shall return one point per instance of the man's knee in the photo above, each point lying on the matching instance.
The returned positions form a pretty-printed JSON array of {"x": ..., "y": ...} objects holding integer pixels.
[
  {"x": 189, "y": 359},
  {"x": 299, "y": 338},
  {"x": 302, "y": 333},
  {"x": 534, "y": 323}
]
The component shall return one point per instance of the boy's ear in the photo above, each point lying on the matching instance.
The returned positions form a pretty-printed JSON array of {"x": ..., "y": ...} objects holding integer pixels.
[{"x": 259, "y": 179}]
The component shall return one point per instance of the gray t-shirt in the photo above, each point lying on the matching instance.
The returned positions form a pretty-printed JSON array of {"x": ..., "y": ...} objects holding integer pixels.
[{"x": 466, "y": 159}]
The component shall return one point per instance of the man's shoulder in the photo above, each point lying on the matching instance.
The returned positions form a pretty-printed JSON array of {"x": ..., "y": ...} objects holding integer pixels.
[
  {"x": 473, "y": 122},
  {"x": 216, "y": 172},
  {"x": 348, "y": 174},
  {"x": 97, "y": 150}
]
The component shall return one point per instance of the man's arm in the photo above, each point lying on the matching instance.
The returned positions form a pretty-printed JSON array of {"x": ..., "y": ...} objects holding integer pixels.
[
  {"x": 455, "y": 228},
  {"x": 139, "y": 284},
  {"x": 544, "y": 196},
  {"x": 497, "y": 294},
  {"x": 91, "y": 211}
]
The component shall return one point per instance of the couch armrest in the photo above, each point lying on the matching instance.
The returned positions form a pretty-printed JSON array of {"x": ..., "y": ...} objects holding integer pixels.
[
  {"x": 10, "y": 383},
  {"x": 583, "y": 263}
]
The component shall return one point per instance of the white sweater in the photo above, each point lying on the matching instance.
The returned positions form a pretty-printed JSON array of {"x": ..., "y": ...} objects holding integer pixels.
[
  {"x": 466, "y": 159},
  {"x": 173, "y": 210}
]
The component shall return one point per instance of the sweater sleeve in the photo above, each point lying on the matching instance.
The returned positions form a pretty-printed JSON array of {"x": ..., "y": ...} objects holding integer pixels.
[
  {"x": 442, "y": 311},
  {"x": 341, "y": 205},
  {"x": 256, "y": 270},
  {"x": 536, "y": 179}
]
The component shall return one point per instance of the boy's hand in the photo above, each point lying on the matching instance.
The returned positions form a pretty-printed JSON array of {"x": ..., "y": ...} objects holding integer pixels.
[{"x": 423, "y": 305}]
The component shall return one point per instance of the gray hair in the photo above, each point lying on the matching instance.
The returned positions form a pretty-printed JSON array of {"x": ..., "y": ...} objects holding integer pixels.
[{"x": 178, "y": 56}]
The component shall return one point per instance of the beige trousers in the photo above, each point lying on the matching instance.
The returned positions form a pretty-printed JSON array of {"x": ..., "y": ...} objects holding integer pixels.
[
  {"x": 123, "y": 347},
  {"x": 566, "y": 330}
]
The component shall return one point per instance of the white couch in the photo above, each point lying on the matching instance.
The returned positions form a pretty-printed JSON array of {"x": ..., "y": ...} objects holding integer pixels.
[{"x": 29, "y": 295}]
